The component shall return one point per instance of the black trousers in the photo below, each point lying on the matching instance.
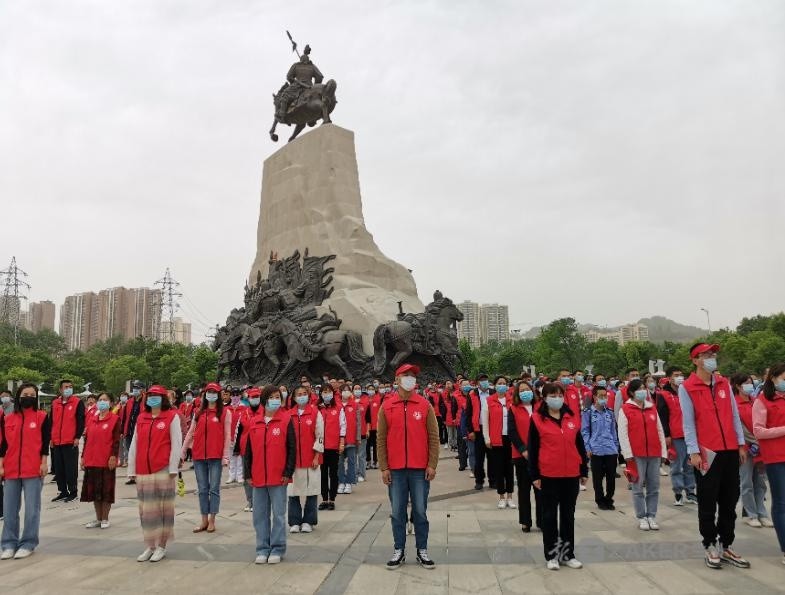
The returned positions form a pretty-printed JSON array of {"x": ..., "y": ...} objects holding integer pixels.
[
  {"x": 479, "y": 461},
  {"x": 603, "y": 467},
  {"x": 442, "y": 431},
  {"x": 463, "y": 452},
  {"x": 370, "y": 447},
  {"x": 500, "y": 460},
  {"x": 65, "y": 461},
  {"x": 718, "y": 493},
  {"x": 330, "y": 475},
  {"x": 525, "y": 488},
  {"x": 559, "y": 495}
]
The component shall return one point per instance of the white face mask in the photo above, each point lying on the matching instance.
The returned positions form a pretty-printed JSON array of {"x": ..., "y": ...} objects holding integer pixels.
[{"x": 408, "y": 383}]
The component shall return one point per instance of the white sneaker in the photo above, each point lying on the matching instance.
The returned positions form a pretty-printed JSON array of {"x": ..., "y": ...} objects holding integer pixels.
[
  {"x": 248, "y": 509},
  {"x": 552, "y": 564},
  {"x": 158, "y": 554},
  {"x": 294, "y": 529},
  {"x": 306, "y": 528},
  {"x": 447, "y": 447},
  {"x": 347, "y": 489},
  {"x": 753, "y": 522},
  {"x": 105, "y": 524},
  {"x": 145, "y": 555},
  {"x": 94, "y": 524},
  {"x": 471, "y": 474},
  {"x": 663, "y": 471},
  {"x": 573, "y": 563},
  {"x": 643, "y": 524},
  {"x": 502, "y": 504},
  {"x": 361, "y": 479},
  {"x": 230, "y": 480},
  {"x": 583, "y": 488},
  {"x": 22, "y": 553},
  {"x": 7, "y": 554},
  {"x": 766, "y": 522},
  {"x": 260, "y": 560},
  {"x": 511, "y": 504},
  {"x": 653, "y": 524},
  {"x": 274, "y": 559},
  {"x": 341, "y": 488}
]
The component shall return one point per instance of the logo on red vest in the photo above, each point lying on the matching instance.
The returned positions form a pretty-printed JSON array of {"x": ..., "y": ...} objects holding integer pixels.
[
  {"x": 570, "y": 425},
  {"x": 33, "y": 425},
  {"x": 105, "y": 426},
  {"x": 333, "y": 412},
  {"x": 721, "y": 393},
  {"x": 417, "y": 415},
  {"x": 69, "y": 408},
  {"x": 308, "y": 422},
  {"x": 215, "y": 419},
  {"x": 276, "y": 431},
  {"x": 651, "y": 416},
  {"x": 160, "y": 425}
]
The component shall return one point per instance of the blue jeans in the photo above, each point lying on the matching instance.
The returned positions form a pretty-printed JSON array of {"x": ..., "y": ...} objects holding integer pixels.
[
  {"x": 682, "y": 475},
  {"x": 208, "y": 484},
  {"x": 648, "y": 477},
  {"x": 409, "y": 484},
  {"x": 470, "y": 448},
  {"x": 248, "y": 488},
  {"x": 362, "y": 458},
  {"x": 298, "y": 516},
  {"x": 12, "y": 504},
  {"x": 346, "y": 465},
  {"x": 776, "y": 473},
  {"x": 270, "y": 503},
  {"x": 752, "y": 480}
]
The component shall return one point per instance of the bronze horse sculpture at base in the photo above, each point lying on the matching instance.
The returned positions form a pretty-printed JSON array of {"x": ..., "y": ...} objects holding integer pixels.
[{"x": 318, "y": 103}]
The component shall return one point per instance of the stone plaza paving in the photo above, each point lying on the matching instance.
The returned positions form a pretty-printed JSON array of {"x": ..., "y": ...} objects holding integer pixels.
[{"x": 478, "y": 549}]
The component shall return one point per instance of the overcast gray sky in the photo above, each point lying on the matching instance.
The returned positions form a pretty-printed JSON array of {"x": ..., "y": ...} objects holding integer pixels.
[{"x": 605, "y": 160}]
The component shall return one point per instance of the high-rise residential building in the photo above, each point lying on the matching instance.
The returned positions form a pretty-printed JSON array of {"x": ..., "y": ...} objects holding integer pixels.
[
  {"x": 483, "y": 323},
  {"x": 41, "y": 316},
  {"x": 90, "y": 317},
  {"x": 622, "y": 335},
  {"x": 182, "y": 331}
]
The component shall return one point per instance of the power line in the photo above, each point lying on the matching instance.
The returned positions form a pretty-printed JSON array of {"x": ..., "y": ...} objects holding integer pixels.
[
  {"x": 11, "y": 308},
  {"x": 168, "y": 304}
]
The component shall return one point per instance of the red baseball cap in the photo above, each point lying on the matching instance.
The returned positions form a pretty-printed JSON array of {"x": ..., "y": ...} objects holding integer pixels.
[
  {"x": 408, "y": 368},
  {"x": 212, "y": 387},
  {"x": 253, "y": 391},
  {"x": 703, "y": 348},
  {"x": 157, "y": 390}
]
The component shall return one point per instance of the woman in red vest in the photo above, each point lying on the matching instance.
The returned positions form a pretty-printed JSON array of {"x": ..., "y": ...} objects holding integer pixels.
[
  {"x": 524, "y": 401},
  {"x": 497, "y": 440},
  {"x": 99, "y": 460},
  {"x": 187, "y": 409},
  {"x": 254, "y": 394},
  {"x": 309, "y": 433},
  {"x": 235, "y": 412},
  {"x": 768, "y": 423},
  {"x": 210, "y": 441},
  {"x": 375, "y": 395},
  {"x": 270, "y": 455},
  {"x": 24, "y": 449},
  {"x": 334, "y": 434},
  {"x": 347, "y": 461},
  {"x": 123, "y": 412},
  {"x": 153, "y": 461},
  {"x": 557, "y": 466},
  {"x": 642, "y": 443}
]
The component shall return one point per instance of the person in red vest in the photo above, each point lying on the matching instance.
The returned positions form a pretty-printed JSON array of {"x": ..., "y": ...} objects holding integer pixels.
[
  {"x": 557, "y": 466},
  {"x": 122, "y": 412},
  {"x": 235, "y": 411},
  {"x": 497, "y": 440},
  {"x": 99, "y": 460},
  {"x": 408, "y": 455},
  {"x": 24, "y": 449},
  {"x": 752, "y": 475},
  {"x": 347, "y": 462},
  {"x": 309, "y": 433},
  {"x": 582, "y": 391},
  {"x": 271, "y": 456},
  {"x": 187, "y": 410},
  {"x": 375, "y": 395},
  {"x": 669, "y": 410},
  {"x": 524, "y": 401},
  {"x": 153, "y": 461},
  {"x": 334, "y": 436},
  {"x": 210, "y": 441},
  {"x": 475, "y": 403},
  {"x": 465, "y": 446},
  {"x": 363, "y": 402},
  {"x": 715, "y": 443},
  {"x": 134, "y": 406},
  {"x": 254, "y": 394},
  {"x": 642, "y": 442},
  {"x": 450, "y": 424},
  {"x": 68, "y": 421},
  {"x": 768, "y": 425}
]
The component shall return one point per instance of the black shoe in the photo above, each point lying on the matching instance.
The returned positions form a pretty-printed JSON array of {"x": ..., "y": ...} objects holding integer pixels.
[
  {"x": 59, "y": 497},
  {"x": 461, "y": 468},
  {"x": 130, "y": 482},
  {"x": 322, "y": 506},
  {"x": 492, "y": 485},
  {"x": 610, "y": 506},
  {"x": 331, "y": 506},
  {"x": 526, "y": 529},
  {"x": 398, "y": 558},
  {"x": 69, "y": 498},
  {"x": 477, "y": 486},
  {"x": 602, "y": 505},
  {"x": 425, "y": 560}
]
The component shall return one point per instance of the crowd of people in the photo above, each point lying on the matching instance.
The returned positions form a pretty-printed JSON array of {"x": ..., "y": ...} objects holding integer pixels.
[{"x": 721, "y": 440}]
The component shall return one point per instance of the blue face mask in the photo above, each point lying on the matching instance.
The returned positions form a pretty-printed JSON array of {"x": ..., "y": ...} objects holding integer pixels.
[
  {"x": 501, "y": 388},
  {"x": 254, "y": 401},
  {"x": 579, "y": 378},
  {"x": 710, "y": 364},
  {"x": 466, "y": 389},
  {"x": 273, "y": 404},
  {"x": 211, "y": 397},
  {"x": 526, "y": 396},
  {"x": 566, "y": 380},
  {"x": 154, "y": 401},
  {"x": 103, "y": 405},
  {"x": 602, "y": 402},
  {"x": 554, "y": 403},
  {"x": 327, "y": 398},
  {"x": 189, "y": 398},
  {"x": 68, "y": 392},
  {"x": 602, "y": 383},
  {"x": 357, "y": 393},
  {"x": 780, "y": 386},
  {"x": 651, "y": 385},
  {"x": 747, "y": 389},
  {"x": 640, "y": 395},
  {"x": 484, "y": 384},
  {"x": 302, "y": 399}
]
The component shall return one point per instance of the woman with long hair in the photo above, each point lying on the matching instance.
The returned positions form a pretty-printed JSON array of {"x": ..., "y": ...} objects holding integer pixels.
[
  {"x": 524, "y": 402},
  {"x": 99, "y": 460}
]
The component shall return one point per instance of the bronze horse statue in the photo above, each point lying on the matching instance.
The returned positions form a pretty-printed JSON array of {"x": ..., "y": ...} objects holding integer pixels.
[{"x": 318, "y": 101}]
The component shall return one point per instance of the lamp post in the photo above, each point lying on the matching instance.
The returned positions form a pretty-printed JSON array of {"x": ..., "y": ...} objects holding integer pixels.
[{"x": 708, "y": 320}]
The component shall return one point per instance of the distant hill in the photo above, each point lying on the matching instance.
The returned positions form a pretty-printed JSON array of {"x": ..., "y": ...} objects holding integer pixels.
[{"x": 661, "y": 329}]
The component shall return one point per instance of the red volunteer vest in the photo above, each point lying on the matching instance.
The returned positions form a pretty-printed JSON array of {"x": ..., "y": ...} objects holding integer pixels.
[
  {"x": 305, "y": 431},
  {"x": 772, "y": 450},
  {"x": 153, "y": 443},
  {"x": 475, "y": 410},
  {"x": 350, "y": 411},
  {"x": 98, "y": 445},
  {"x": 407, "y": 432},
  {"x": 745, "y": 412},
  {"x": 363, "y": 404},
  {"x": 642, "y": 430},
  {"x": 23, "y": 437},
  {"x": 447, "y": 398},
  {"x": 236, "y": 413},
  {"x": 64, "y": 421},
  {"x": 713, "y": 413},
  {"x": 522, "y": 420},
  {"x": 376, "y": 402},
  {"x": 268, "y": 447},
  {"x": 572, "y": 398},
  {"x": 558, "y": 455},
  {"x": 332, "y": 427},
  {"x": 246, "y": 419},
  {"x": 209, "y": 435},
  {"x": 675, "y": 419},
  {"x": 496, "y": 413}
]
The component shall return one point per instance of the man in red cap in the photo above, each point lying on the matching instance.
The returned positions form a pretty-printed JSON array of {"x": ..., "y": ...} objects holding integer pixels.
[
  {"x": 408, "y": 444},
  {"x": 715, "y": 443}
]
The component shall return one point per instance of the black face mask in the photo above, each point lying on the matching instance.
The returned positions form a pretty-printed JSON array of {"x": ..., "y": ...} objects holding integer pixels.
[{"x": 28, "y": 402}]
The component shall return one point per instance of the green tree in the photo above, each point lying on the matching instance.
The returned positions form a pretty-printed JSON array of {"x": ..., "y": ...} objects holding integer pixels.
[
  {"x": 560, "y": 345},
  {"x": 607, "y": 357},
  {"x": 22, "y": 374},
  {"x": 205, "y": 362},
  {"x": 124, "y": 368}
]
